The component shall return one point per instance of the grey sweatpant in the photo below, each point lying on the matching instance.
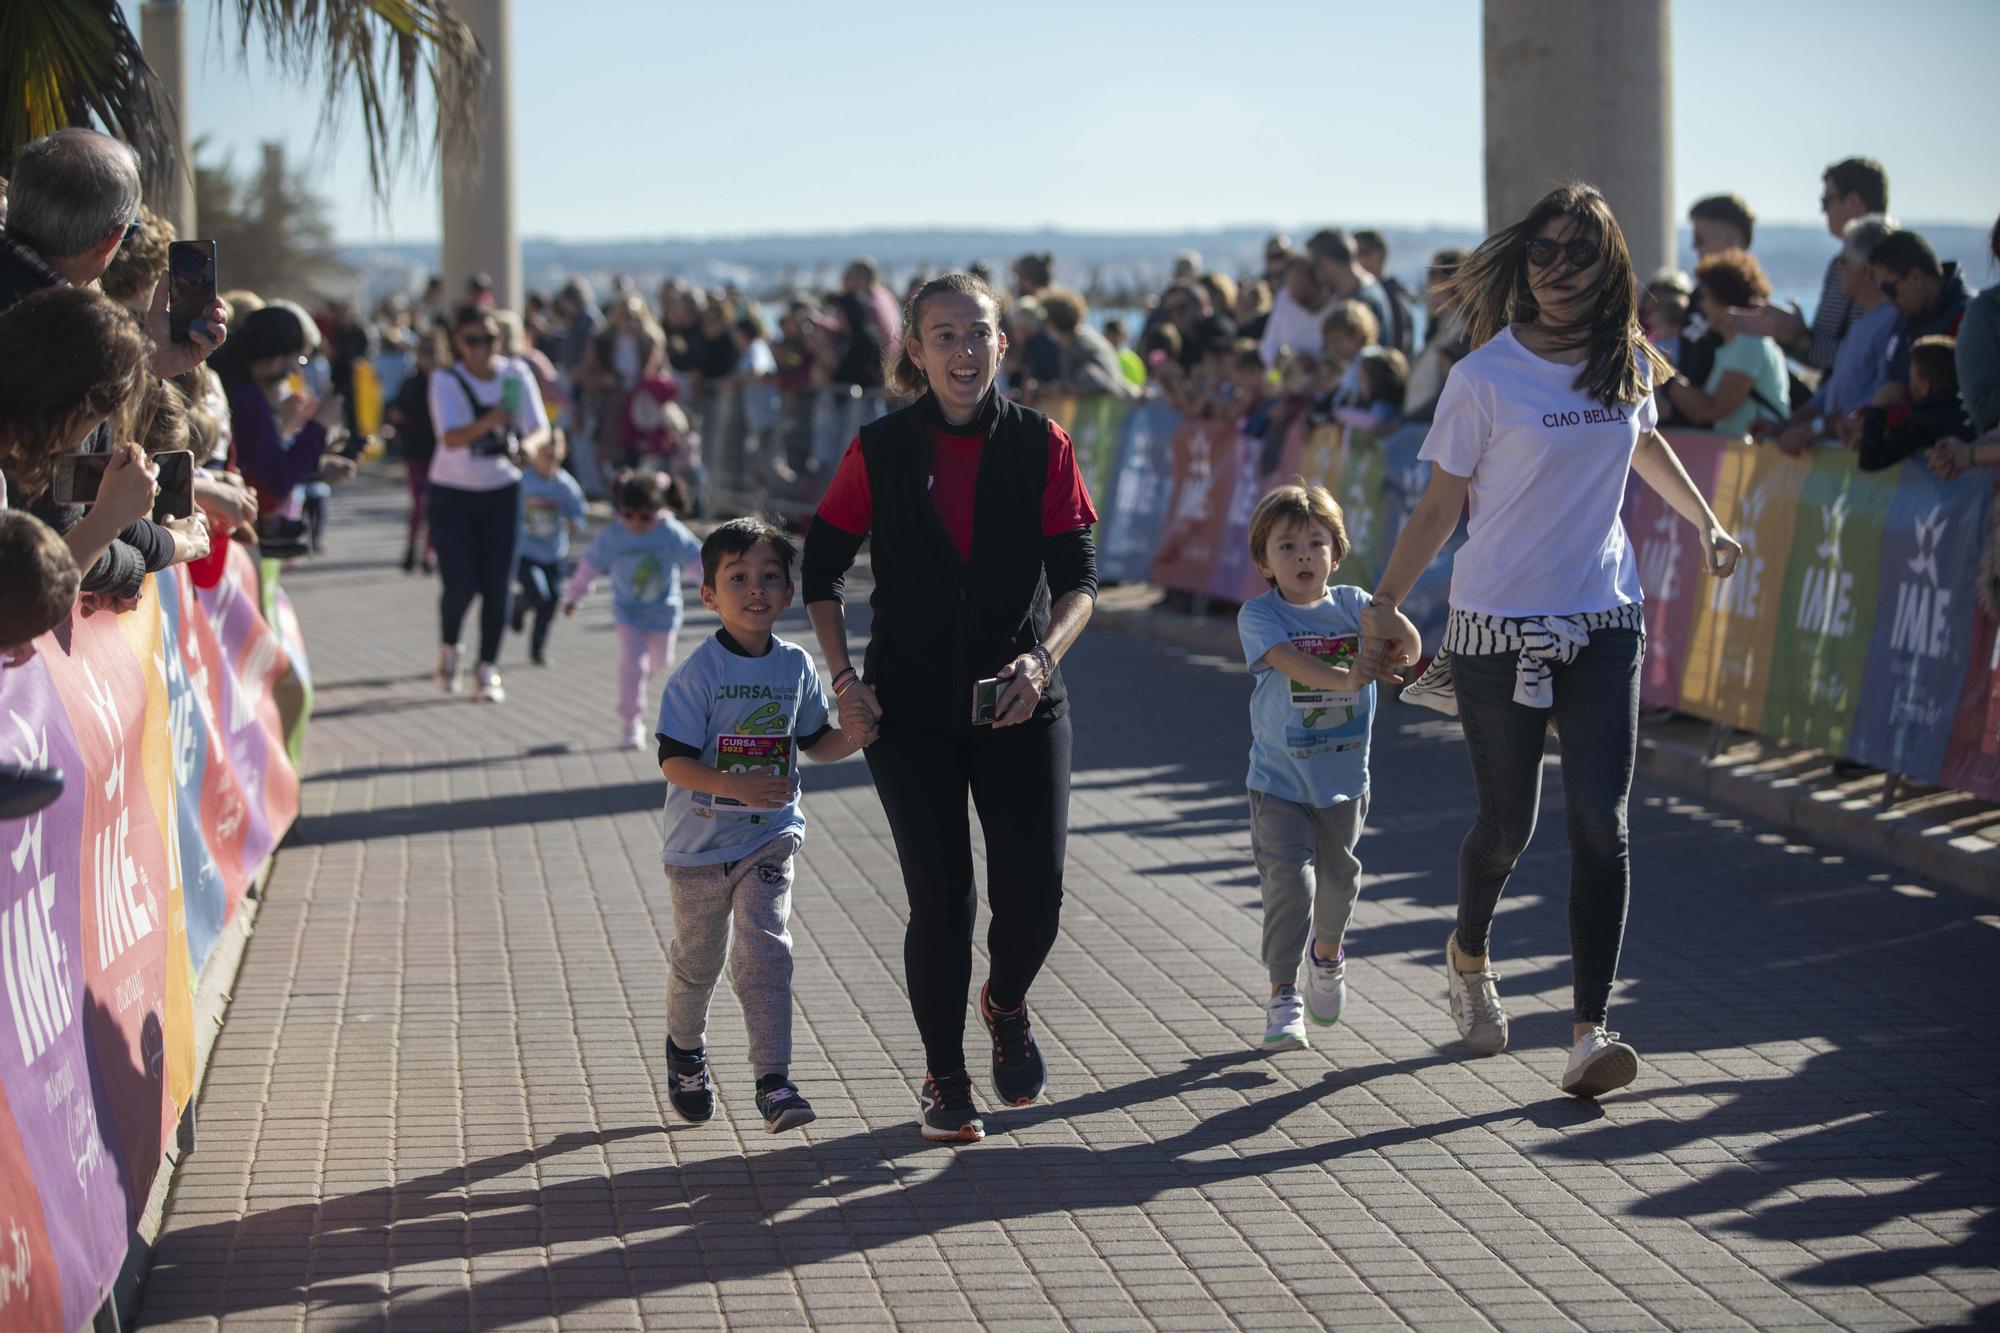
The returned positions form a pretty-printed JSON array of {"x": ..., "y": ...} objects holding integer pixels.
[
  {"x": 1294, "y": 843},
  {"x": 754, "y": 895}
]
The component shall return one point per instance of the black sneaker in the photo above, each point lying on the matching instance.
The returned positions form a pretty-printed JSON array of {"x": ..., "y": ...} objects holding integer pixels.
[
  {"x": 945, "y": 1113},
  {"x": 689, "y": 1088},
  {"x": 783, "y": 1108},
  {"x": 1018, "y": 1072}
]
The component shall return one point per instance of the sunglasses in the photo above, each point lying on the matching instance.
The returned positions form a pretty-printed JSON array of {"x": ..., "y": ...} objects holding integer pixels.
[
  {"x": 635, "y": 513},
  {"x": 1827, "y": 201},
  {"x": 1887, "y": 287},
  {"x": 476, "y": 339},
  {"x": 131, "y": 230},
  {"x": 1580, "y": 253}
]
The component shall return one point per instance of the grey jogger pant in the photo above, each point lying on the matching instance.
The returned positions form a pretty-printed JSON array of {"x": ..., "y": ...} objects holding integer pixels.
[
  {"x": 754, "y": 896},
  {"x": 1306, "y": 862}
]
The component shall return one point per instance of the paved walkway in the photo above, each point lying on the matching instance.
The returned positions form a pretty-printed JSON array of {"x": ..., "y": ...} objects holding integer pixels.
[{"x": 437, "y": 1102}]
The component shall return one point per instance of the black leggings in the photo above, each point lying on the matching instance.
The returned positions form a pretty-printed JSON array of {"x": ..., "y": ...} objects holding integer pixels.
[
  {"x": 474, "y": 533},
  {"x": 1019, "y": 780},
  {"x": 1597, "y": 724}
]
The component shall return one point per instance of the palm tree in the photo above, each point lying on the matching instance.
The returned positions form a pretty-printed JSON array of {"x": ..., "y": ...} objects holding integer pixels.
[{"x": 76, "y": 62}]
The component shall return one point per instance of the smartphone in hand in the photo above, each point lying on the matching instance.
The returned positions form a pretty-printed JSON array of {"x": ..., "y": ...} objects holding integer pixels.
[
  {"x": 985, "y": 701},
  {"x": 191, "y": 288},
  {"x": 78, "y": 476}
]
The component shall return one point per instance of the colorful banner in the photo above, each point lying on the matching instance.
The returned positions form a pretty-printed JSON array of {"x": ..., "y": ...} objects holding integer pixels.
[
  {"x": 110, "y": 899},
  {"x": 1133, "y": 510},
  {"x": 1197, "y": 521},
  {"x": 1672, "y": 567}
]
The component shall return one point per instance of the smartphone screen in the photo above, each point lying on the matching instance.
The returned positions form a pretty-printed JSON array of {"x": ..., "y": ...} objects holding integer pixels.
[
  {"x": 77, "y": 478},
  {"x": 985, "y": 701},
  {"x": 191, "y": 284},
  {"x": 176, "y": 497}
]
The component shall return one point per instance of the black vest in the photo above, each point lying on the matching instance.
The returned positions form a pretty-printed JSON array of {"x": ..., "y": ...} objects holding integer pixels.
[{"x": 941, "y": 622}]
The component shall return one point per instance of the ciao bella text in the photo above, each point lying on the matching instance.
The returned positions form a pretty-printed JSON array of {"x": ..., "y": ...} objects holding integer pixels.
[{"x": 1590, "y": 416}]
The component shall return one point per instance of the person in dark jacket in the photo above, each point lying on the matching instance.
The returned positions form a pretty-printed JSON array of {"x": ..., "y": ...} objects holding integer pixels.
[
  {"x": 1931, "y": 297},
  {"x": 984, "y": 574},
  {"x": 1935, "y": 410},
  {"x": 276, "y": 441}
]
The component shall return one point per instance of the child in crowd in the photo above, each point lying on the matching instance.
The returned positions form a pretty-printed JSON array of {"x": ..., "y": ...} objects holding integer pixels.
[
  {"x": 1665, "y": 313},
  {"x": 1310, "y": 717},
  {"x": 1130, "y": 363},
  {"x": 1383, "y": 374},
  {"x": 552, "y": 506},
  {"x": 644, "y": 552},
  {"x": 1935, "y": 411},
  {"x": 1349, "y": 329},
  {"x": 40, "y": 589},
  {"x": 733, "y": 720},
  {"x": 1248, "y": 379}
]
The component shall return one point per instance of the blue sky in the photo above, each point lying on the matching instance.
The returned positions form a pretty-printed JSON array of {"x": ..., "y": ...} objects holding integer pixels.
[{"x": 641, "y": 118}]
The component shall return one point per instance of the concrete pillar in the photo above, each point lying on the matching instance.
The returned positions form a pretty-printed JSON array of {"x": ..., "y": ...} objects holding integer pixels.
[
  {"x": 1583, "y": 89},
  {"x": 163, "y": 37},
  {"x": 480, "y": 232}
]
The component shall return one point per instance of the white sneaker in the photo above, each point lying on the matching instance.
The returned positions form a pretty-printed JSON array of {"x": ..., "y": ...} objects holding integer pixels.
[
  {"x": 450, "y": 678},
  {"x": 1599, "y": 1063},
  {"x": 635, "y": 735},
  {"x": 1475, "y": 1003},
  {"x": 1285, "y": 1021},
  {"x": 1326, "y": 986},
  {"x": 490, "y": 690}
]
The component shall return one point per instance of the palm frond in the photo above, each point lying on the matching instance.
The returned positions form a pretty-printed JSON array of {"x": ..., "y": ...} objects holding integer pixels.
[
  {"x": 76, "y": 62},
  {"x": 389, "y": 57}
]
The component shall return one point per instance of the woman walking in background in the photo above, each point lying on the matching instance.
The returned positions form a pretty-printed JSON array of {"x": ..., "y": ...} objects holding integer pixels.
[
  {"x": 984, "y": 576},
  {"x": 1537, "y": 430}
]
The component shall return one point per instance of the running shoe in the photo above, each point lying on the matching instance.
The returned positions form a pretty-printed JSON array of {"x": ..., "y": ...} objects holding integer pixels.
[
  {"x": 690, "y": 1090},
  {"x": 450, "y": 676},
  {"x": 945, "y": 1113},
  {"x": 1475, "y": 1003},
  {"x": 783, "y": 1108},
  {"x": 490, "y": 691},
  {"x": 1599, "y": 1063},
  {"x": 1326, "y": 986},
  {"x": 635, "y": 735},
  {"x": 1018, "y": 1072},
  {"x": 1285, "y": 1021}
]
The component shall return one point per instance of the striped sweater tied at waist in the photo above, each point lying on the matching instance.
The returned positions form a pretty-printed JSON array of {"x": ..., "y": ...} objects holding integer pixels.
[{"x": 1542, "y": 643}]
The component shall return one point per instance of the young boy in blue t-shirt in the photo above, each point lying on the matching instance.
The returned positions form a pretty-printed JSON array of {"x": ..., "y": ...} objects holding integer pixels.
[
  {"x": 552, "y": 509},
  {"x": 1310, "y": 716},
  {"x": 733, "y": 720}
]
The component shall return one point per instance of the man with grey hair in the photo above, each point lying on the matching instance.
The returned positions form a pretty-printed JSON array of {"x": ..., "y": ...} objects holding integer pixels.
[
  {"x": 1861, "y": 361},
  {"x": 71, "y": 200}
]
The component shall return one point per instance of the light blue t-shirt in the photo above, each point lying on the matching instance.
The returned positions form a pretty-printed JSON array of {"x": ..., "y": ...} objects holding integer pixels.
[
  {"x": 550, "y": 507},
  {"x": 1859, "y": 366},
  {"x": 645, "y": 571},
  {"x": 1760, "y": 359},
  {"x": 1308, "y": 746},
  {"x": 746, "y": 714}
]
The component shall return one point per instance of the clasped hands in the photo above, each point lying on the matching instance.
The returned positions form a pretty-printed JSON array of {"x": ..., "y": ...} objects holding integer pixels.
[{"x": 1389, "y": 641}]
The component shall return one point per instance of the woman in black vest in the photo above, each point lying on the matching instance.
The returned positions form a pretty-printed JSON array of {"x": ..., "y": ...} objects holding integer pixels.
[{"x": 984, "y": 569}]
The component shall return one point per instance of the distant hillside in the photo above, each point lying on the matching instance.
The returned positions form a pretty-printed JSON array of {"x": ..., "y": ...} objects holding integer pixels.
[{"x": 1794, "y": 256}]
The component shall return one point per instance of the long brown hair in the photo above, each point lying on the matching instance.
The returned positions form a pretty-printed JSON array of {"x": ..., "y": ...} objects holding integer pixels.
[
  {"x": 67, "y": 354},
  {"x": 900, "y": 372},
  {"x": 1490, "y": 291}
]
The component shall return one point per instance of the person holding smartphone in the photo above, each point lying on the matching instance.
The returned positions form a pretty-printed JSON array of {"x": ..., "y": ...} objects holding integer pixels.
[
  {"x": 485, "y": 421},
  {"x": 984, "y": 576}
]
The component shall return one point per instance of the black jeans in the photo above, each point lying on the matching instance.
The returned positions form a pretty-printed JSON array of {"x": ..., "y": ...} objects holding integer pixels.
[
  {"x": 474, "y": 533},
  {"x": 541, "y": 592},
  {"x": 1019, "y": 781},
  {"x": 1596, "y": 715}
]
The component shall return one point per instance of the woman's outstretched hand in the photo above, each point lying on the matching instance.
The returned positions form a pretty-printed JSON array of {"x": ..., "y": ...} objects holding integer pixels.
[{"x": 1025, "y": 678}]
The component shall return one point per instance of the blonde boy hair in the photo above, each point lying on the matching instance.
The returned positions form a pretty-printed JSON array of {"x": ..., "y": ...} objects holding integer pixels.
[
  {"x": 1301, "y": 504},
  {"x": 1355, "y": 319}
]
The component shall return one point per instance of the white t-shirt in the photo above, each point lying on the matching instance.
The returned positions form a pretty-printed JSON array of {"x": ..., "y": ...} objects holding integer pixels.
[
  {"x": 1548, "y": 468},
  {"x": 462, "y": 468},
  {"x": 1292, "y": 325}
]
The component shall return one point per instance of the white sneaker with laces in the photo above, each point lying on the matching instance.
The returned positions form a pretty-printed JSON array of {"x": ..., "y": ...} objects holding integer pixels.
[
  {"x": 490, "y": 689},
  {"x": 1325, "y": 987},
  {"x": 1285, "y": 1021},
  {"x": 1475, "y": 1003},
  {"x": 450, "y": 678},
  {"x": 635, "y": 735},
  {"x": 1599, "y": 1063}
]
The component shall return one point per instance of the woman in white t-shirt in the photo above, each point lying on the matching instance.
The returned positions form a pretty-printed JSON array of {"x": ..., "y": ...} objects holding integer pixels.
[
  {"x": 488, "y": 417},
  {"x": 1536, "y": 431}
]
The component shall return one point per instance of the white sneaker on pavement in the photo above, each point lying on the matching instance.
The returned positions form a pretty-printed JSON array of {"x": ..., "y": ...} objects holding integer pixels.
[
  {"x": 1599, "y": 1063},
  {"x": 1475, "y": 1003},
  {"x": 490, "y": 689},
  {"x": 449, "y": 676},
  {"x": 1285, "y": 1021},
  {"x": 1325, "y": 986},
  {"x": 635, "y": 735}
]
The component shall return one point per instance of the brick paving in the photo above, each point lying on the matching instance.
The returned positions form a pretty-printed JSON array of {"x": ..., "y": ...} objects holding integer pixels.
[{"x": 438, "y": 1099}]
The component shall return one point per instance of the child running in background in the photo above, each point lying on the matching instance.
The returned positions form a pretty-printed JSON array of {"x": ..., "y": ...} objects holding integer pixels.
[
  {"x": 643, "y": 552},
  {"x": 552, "y": 506},
  {"x": 733, "y": 721},
  {"x": 1310, "y": 717}
]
